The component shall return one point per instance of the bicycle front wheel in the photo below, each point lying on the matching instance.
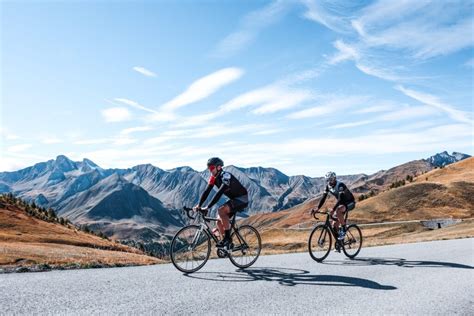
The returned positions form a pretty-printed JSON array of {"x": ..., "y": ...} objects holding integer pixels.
[
  {"x": 190, "y": 249},
  {"x": 319, "y": 244},
  {"x": 247, "y": 246},
  {"x": 352, "y": 242}
]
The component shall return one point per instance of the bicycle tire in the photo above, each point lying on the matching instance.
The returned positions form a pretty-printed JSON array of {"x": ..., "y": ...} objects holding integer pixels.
[
  {"x": 322, "y": 229},
  {"x": 351, "y": 238},
  {"x": 255, "y": 239},
  {"x": 173, "y": 251}
]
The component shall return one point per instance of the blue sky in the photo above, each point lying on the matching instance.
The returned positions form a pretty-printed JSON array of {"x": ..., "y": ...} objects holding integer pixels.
[{"x": 303, "y": 86}]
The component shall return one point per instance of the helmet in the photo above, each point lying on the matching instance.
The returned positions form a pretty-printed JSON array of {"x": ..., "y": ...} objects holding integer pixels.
[
  {"x": 330, "y": 176},
  {"x": 215, "y": 161}
]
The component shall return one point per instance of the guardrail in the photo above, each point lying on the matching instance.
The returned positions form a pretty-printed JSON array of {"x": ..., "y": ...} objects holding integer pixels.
[{"x": 430, "y": 223}]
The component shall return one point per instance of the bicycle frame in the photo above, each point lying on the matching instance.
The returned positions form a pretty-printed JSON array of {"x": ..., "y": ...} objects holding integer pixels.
[
  {"x": 328, "y": 223},
  {"x": 204, "y": 226}
]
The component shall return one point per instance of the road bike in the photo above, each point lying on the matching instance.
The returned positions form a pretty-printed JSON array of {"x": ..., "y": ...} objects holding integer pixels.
[
  {"x": 320, "y": 240},
  {"x": 191, "y": 246}
]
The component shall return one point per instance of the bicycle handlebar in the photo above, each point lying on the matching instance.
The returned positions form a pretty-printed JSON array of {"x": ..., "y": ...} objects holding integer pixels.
[
  {"x": 203, "y": 212},
  {"x": 188, "y": 210},
  {"x": 327, "y": 212}
]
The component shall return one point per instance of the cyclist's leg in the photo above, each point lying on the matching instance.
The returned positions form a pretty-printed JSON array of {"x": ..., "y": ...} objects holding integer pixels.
[
  {"x": 220, "y": 226},
  {"x": 224, "y": 212},
  {"x": 236, "y": 205},
  {"x": 340, "y": 214},
  {"x": 334, "y": 220}
]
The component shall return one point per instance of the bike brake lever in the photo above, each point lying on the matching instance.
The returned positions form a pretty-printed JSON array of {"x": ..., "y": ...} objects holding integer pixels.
[{"x": 187, "y": 210}]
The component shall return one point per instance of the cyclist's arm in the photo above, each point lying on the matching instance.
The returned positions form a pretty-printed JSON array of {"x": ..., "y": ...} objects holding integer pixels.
[
  {"x": 323, "y": 199},
  {"x": 205, "y": 194},
  {"x": 218, "y": 195}
]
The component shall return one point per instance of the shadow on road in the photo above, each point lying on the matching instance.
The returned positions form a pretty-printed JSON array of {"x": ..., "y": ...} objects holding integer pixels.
[
  {"x": 397, "y": 262},
  {"x": 288, "y": 277}
]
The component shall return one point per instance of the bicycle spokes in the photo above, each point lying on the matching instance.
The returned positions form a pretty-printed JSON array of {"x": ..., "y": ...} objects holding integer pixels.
[
  {"x": 319, "y": 243},
  {"x": 247, "y": 246},
  {"x": 352, "y": 242},
  {"x": 190, "y": 249}
]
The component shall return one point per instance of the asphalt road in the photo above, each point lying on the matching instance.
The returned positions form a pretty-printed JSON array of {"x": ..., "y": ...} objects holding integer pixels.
[{"x": 423, "y": 278}]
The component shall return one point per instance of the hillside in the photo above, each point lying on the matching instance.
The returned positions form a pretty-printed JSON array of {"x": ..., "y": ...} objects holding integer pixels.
[
  {"x": 448, "y": 192},
  {"x": 28, "y": 241},
  {"x": 142, "y": 203},
  {"x": 441, "y": 193}
]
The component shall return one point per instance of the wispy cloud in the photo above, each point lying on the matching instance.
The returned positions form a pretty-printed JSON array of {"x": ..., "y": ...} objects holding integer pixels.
[
  {"x": 265, "y": 100},
  {"x": 332, "y": 105},
  {"x": 383, "y": 107},
  {"x": 166, "y": 115},
  {"x": 208, "y": 131},
  {"x": 332, "y": 14},
  {"x": 435, "y": 102},
  {"x": 116, "y": 114},
  {"x": 250, "y": 26},
  {"x": 94, "y": 141},
  {"x": 408, "y": 112},
  {"x": 283, "y": 99},
  {"x": 134, "y": 104},
  {"x": 131, "y": 130},
  {"x": 121, "y": 139},
  {"x": 352, "y": 124},
  {"x": 6, "y": 134},
  {"x": 268, "y": 132},
  {"x": 344, "y": 52},
  {"x": 394, "y": 33},
  {"x": 412, "y": 26},
  {"x": 144, "y": 71},
  {"x": 49, "y": 140},
  {"x": 363, "y": 61},
  {"x": 203, "y": 88},
  {"x": 19, "y": 148}
]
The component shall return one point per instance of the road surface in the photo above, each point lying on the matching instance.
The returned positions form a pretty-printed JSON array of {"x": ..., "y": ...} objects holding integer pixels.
[{"x": 423, "y": 278}]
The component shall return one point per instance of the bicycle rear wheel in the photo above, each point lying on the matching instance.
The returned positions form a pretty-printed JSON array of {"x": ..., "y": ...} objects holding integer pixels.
[
  {"x": 319, "y": 244},
  {"x": 352, "y": 242},
  {"x": 247, "y": 246},
  {"x": 190, "y": 249}
]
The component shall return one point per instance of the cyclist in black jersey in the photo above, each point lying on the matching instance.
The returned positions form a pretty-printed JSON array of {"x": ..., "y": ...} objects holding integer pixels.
[
  {"x": 228, "y": 185},
  {"x": 345, "y": 202}
]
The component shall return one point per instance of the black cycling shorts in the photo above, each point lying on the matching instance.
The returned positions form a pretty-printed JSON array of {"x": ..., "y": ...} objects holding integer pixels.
[
  {"x": 237, "y": 204},
  {"x": 350, "y": 206}
]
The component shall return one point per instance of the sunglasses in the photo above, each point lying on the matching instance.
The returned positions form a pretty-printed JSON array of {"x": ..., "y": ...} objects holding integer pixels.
[{"x": 211, "y": 167}]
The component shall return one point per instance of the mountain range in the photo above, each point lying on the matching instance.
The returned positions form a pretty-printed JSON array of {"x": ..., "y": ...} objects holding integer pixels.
[{"x": 143, "y": 202}]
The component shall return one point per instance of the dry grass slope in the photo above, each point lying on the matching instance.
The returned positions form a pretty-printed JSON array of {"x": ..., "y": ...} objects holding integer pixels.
[
  {"x": 28, "y": 241},
  {"x": 448, "y": 193}
]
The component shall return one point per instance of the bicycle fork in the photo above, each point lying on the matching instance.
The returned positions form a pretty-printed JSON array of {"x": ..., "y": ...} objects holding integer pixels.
[{"x": 196, "y": 238}]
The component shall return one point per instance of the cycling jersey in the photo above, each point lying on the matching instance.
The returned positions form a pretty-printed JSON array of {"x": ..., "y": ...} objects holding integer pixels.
[
  {"x": 227, "y": 184},
  {"x": 340, "y": 192}
]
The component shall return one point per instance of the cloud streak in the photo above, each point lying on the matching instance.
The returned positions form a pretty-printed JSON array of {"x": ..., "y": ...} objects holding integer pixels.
[
  {"x": 116, "y": 114},
  {"x": 332, "y": 105},
  {"x": 250, "y": 26},
  {"x": 203, "y": 88},
  {"x": 135, "y": 105},
  {"x": 412, "y": 26},
  {"x": 435, "y": 102},
  {"x": 144, "y": 71}
]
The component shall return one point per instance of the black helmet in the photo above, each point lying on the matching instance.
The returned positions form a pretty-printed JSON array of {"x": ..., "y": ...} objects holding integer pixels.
[{"x": 215, "y": 161}]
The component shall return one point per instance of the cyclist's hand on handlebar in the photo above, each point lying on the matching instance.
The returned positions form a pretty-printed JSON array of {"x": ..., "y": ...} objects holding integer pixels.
[
  {"x": 196, "y": 208},
  {"x": 314, "y": 211}
]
